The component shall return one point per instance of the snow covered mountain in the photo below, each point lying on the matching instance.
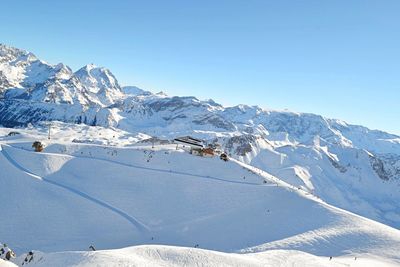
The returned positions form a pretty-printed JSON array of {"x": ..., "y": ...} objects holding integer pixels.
[
  {"x": 73, "y": 195},
  {"x": 24, "y": 76},
  {"x": 348, "y": 166}
]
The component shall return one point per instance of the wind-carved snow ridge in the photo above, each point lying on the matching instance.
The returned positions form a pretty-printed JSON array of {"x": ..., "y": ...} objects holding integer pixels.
[{"x": 348, "y": 166}]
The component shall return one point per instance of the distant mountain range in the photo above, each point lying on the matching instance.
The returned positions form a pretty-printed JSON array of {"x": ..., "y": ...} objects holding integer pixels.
[{"x": 349, "y": 166}]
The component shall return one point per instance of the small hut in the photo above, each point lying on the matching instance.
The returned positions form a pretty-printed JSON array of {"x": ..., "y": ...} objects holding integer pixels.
[
  {"x": 216, "y": 147},
  {"x": 195, "y": 145},
  {"x": 196, "y": 151},
  {"x": 38, "y": 146},
  {"x": 207, "y": 152}
]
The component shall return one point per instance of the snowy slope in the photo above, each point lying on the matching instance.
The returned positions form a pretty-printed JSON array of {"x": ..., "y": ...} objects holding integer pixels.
[
  {"x": 75, "y": 195},
  {"x": 178, "y": 256},
  {"x": 6, "y": 264},
  {"x": 348, "y": 166}
]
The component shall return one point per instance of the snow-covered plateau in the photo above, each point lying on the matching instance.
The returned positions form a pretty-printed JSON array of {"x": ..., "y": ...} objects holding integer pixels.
[{"x": 298, "y": 189}]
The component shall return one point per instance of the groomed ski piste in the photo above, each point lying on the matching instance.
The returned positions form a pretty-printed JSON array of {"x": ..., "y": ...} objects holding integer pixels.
[{"x": 161, "y": 206}]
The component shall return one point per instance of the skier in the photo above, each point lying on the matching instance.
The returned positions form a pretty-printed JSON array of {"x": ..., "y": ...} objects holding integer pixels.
[
  {"x": 28, "y": 258},
  {"x": 6, "y": 253}
]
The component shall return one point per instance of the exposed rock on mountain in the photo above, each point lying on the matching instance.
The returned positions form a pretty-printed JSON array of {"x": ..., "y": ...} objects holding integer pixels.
[{"x": 349, "y": 166}]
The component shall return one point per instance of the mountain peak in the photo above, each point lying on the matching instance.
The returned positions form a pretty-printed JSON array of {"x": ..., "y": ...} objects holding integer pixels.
[
  {"x": 9, "y": 53},
  {"x": 88, "y": 67},
  {"x": 9, "y": 49}
]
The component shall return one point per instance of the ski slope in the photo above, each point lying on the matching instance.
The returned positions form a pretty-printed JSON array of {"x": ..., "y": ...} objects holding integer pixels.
[
  {"x": 177, "y": 256},
  {"x": 348, "y": 166},
  {"x": 73, "y": 195}
]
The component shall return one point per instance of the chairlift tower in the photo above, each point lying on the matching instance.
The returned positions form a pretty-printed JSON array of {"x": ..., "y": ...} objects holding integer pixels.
[
  {"x": 49, "y": 133},
  {"x": 52, "y": 97}
]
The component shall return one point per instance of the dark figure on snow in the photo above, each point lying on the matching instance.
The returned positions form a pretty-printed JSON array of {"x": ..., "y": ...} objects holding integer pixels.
[
  {"x": 6, "y": 253},
  {"x": 224, "y": 157},
  {"x": 38, "y": 146},
  {"x": 92, "y": 248},
  {"x": 28, "y": 258}
]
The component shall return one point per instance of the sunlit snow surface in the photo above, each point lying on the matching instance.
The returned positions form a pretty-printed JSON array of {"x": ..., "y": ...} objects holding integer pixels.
[
  {"x": 178, "y": 256},
  {"x": 348, "y": 166},
  {"x": 106, "y": 190}
]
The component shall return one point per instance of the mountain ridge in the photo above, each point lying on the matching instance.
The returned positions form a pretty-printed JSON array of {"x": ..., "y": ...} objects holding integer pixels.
[{"x": 349, "y": 166}]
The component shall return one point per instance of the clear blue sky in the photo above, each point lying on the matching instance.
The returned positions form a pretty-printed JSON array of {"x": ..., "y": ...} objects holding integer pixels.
[{"x": 340, "y": 59}]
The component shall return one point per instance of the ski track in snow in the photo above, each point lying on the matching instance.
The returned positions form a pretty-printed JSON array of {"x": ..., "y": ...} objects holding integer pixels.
[
  {"x": 135, "y": 222},
  {"x": 161, "y": 170},
  {"x": 170, "y": 171}
]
